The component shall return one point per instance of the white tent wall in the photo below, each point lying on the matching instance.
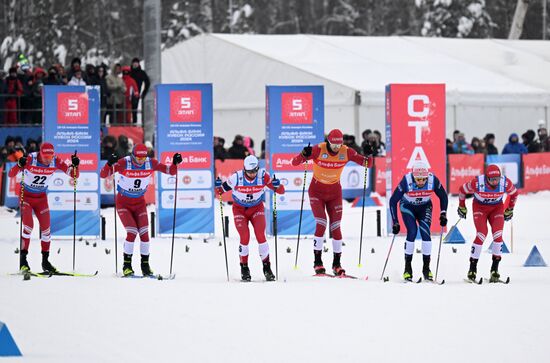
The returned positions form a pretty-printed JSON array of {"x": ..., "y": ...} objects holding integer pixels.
[
  {"x": 495, "y": 86},
  {"x": 239, "y": 77}
]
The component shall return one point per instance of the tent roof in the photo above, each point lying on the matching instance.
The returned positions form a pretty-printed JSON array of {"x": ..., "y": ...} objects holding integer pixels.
[{"x": 471, "y": 68}]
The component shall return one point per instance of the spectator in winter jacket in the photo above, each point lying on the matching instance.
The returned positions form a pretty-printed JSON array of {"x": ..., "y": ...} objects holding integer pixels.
[
  {"x": 142, "y": 80},
  {"x": 2, "y": 95},
  {"x": 249, "y": 144},
  {"x": 490, "y": 144},
  {"x": 450, "y": 149},
  {"x": 544, "y": 141},
  {"x": 238, "y": 150},
  {"x": 77, "y": 78},
  {"x": 349, "y": 141},
  {"x": 461, "y": 146},
  {"x": 91, "y": 75},
  {"x": 76, "y": 65},
  {"x": 529, "y": 141},
  {"x": 63, "y": 78},
  {"x": 117, "y": 90},
  {"x": 132, "y": 93},
  {"x": 478, "y": 146},
  {"x": 53, "y": 77},
  {"x": 14, "y": 90},
  {"x": 108, "y": 147},
  {"x": 513, "y": 146},
  {"x": 219, "y": 151},
  {"x": 365, "y": 141},
  {"x": 380, "y": 143},
  {"x": 102, "y": 82},
  {"x": 123, "y": 147},
  {"x": 37, "y": 86}
]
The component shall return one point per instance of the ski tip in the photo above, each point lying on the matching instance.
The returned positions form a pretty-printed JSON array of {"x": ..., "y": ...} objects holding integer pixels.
[
  {"x": 385, "y": 279},
  {"x": 507, "y": 280}
]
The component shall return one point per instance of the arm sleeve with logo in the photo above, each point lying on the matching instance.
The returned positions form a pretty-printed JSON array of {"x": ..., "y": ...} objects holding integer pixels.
[
  {"x": 396, "y": 197},
  {"x": 359, "y": 159},
  {"x": 107, "y": 171},
  {"x": 468, "y": 188},
  {"x": 268, "y": 183},
  {"x": 441, "y": 194},
  {"x": 61, "y": 165},
  {"x": 300, "y": 159},
  {"x": 512, "y": 194},
  {"x": 163, "y": 168},
  {"x": 16, "y": 168}
]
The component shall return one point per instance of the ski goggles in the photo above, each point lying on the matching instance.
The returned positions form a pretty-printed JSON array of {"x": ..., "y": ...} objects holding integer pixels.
[
  {"x": 420, "y": 179},
  {"x": 493, "y": 180},
  {"x": 253, "y": 171}
]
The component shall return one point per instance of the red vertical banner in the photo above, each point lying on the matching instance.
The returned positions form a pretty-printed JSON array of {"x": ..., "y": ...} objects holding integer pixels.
[
  {"x": 536, "y": 172},
  {"x": 380, "y": 177},
  {"x": 462, "y": 168},
  {"x": 415, "y": 130}
]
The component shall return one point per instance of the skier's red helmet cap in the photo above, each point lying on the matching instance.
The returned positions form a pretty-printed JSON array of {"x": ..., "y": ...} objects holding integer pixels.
[
  {"x": 493, "y": 174},
  {"x": 335, "y": 137},
  {"x": 140, "y": 151},
  {"x": 47, "y": 151}
]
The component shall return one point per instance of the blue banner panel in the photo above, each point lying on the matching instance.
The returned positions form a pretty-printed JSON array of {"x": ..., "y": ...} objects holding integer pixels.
[
  {"x": 184, "y": 120},
  {"x": 510, "y": 164},
  {"x": 72, "y": 123},
  {"x": 295, "y": 117}
]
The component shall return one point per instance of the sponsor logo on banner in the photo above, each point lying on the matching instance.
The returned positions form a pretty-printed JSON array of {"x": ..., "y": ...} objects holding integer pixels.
[
  {"x": 186, "y": 106},
  {"x": 536, "y": 169},
  {"x": 64, "y": 201},
  {"x": 465, "y": 172},
  {"x": 188, "y": 199},
  {"x": 293, "y": 181},
  {"x": 541, "y": 170},
  {"x": 190, "y": 159},
  {"x": 283, "y": 162},
  {"x": 297, "y": 107},
  {"x": 353, "y": 177},
  {"x": 62, "y": 182},
  {"x": 88, "y": 161},
  {"x": 189, "y": 179},
  {"x": 72, "y": 108}
]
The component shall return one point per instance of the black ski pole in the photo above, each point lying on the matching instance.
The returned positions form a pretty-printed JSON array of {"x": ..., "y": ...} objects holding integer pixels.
[
  {"x": 74, "y": 214},
  {"x": 21, "y": 214},
  {"x": 363, "y": 212},
  {"x": 275, "y": 232},
  {"x": 116, "y": 242},
  {"x": 438, "y": 253},
  {"x": 223, "y": 231},
  {"x": 387, "y": 258},
  {"x": 301, "y": 212},
  {"x": 174, "y": 221}
]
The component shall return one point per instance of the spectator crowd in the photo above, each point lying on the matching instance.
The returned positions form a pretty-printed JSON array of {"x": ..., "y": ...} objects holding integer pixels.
[
  {"x": 121, "y": 87},
  {"x": 531, "y": 142}
]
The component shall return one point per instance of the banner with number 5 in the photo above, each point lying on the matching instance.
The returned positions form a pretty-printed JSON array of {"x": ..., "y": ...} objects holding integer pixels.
[
  {"x": 184, "y": 119},
  {"x": 72, "y": 122}
]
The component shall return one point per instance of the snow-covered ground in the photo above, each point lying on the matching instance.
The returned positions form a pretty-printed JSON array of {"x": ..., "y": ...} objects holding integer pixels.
[{"x": 200, "y": 317}]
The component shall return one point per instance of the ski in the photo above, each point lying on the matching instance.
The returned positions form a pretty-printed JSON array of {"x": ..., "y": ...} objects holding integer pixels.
[
  {"x": 154, "y": 277},
  {"x": 324, "y": 275},
  {"x": 72, "y": 274},
  {"x": 477, "y": 282},
  {"x": 506, "y": 282},
  {"x": 412, "y": 281},
  {"x": 442, "y": 282},
  {"x": 346, "y": 276},
  {"x": 28, "y": 273}
]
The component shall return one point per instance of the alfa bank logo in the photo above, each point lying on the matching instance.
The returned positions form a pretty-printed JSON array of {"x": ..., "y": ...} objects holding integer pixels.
[
  {"x": 297, "y": 108},
  {"x": 185, "y": 106},
  {"x": 190, "y": 159},
  {"x": 72, "y": 108}
]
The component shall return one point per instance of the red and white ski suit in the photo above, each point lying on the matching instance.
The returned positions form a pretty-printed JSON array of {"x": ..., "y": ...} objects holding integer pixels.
[
  {"x": 130, "y": 200},
  {"x": 34, "y": 188}
]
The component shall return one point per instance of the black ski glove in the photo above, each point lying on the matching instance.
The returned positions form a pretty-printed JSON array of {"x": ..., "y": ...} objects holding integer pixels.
[
  {"x": 177, "y": 159},
  {"x": 22, "y": 161},
  {"x": 112, "y": 160},
  {"x": 306, "y": 152}
]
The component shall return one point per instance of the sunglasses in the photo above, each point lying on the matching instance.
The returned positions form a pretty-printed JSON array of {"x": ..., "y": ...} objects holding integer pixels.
[
  {"x": 493, "y": 180},
  {"x": 420, "y": 180}
]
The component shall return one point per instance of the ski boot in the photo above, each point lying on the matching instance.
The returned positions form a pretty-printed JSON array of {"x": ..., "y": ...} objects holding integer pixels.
[
  {"x": 428, "y": 276},
  {"x": 46, "y": 265},
  {"x": 245, "y": 272},
  {"x": 145, "y": 268},
  {"x": 495, "y": 276},
  {"x": 472, "y": 273},
  {"x": 267, "y": 271},
  {"x": 408, "y": 274},
  {"x": 336, "y": 266},
  {"x": 127, "y": 269},
  {"x": 318, "y": 263},
  {"x": 23, "y": 263}
]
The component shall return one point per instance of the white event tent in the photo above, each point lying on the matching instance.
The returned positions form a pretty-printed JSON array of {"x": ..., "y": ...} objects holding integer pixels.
[{"x": 497, "y": 86}]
